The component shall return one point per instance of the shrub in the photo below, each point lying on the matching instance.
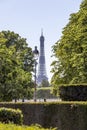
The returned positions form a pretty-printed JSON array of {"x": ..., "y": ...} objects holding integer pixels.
[
  {"x": 73, "y": 92},
  {"x": 11, "y": 115}
]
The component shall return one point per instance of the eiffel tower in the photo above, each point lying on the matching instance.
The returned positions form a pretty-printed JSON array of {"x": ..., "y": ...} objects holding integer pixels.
[{"x": 42, "y": 75}]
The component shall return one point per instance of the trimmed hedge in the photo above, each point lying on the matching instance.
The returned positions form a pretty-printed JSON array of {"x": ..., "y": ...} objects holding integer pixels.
[
  {"x": 73, "y": 92},
  {"x": 11, "y": 115},
  {"x": 62, "y": 115}
]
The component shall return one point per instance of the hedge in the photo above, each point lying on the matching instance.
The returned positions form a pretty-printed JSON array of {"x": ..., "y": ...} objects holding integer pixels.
[
  {"x": 11, "y": 115},
  {"x": 73, "y": 92},
  {"x": 65, "y": 115}
]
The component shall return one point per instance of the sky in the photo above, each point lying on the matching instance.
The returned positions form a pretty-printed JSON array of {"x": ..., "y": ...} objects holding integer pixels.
[{"x": 28, "y": 17}]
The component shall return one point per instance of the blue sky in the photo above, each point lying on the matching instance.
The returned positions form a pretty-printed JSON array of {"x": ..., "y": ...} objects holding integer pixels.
[{"x": 27, "y": 17}]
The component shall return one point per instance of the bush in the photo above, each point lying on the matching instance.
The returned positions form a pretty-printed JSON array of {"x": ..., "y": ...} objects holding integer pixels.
[
  {"x": 73, "y": 92},
  {"x": 11, "y": 115}
]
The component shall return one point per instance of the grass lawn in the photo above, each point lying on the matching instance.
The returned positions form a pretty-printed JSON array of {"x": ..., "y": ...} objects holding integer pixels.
[
  {"x": 16, "y": 127},
  {"x": 44, "y": 88}
]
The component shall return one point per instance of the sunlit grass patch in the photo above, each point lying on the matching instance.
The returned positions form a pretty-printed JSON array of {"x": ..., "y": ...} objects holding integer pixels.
[{"x": 17, "y": 127}]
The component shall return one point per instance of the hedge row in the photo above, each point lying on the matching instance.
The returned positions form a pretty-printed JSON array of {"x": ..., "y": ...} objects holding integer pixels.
[
  {"x": 11, "y": 115},
  {"x": 73, "y": 92},
  {"x": 63, "y": 115}
]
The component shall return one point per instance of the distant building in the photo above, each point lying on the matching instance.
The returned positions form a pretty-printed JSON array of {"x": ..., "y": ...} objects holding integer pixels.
[{"x": 42, "y": 75}]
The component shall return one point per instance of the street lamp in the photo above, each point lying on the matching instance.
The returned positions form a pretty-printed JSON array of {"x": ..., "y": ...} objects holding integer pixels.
[{"x": 36, "y": 55}]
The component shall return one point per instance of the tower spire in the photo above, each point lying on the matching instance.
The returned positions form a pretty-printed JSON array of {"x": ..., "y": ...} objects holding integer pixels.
[{"x": 41, "y": 31}]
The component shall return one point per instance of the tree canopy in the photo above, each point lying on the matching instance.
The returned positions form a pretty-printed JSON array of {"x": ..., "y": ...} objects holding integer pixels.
[
  {"x": 70, "y": 51},
  {"x": 16, "y": 66}
]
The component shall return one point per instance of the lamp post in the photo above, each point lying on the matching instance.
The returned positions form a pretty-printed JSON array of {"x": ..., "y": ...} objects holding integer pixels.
[{"x": 36, "y": 55}]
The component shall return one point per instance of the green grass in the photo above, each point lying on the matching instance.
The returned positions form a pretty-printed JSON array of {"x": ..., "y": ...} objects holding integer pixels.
[
  {"x": 16, "y": 127},
  {"x": 44, "y": 88}
]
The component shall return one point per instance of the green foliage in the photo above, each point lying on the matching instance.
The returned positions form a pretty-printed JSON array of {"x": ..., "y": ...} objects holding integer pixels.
[
  {"x": 70, "y": 66},
  {"x": 8, "y": 115},
  {"x": 16, "y": 66},
  {"x": 73, "y": 92},
  {"x": 45, "y": 93},
  {"x": 44, "y": 83}
]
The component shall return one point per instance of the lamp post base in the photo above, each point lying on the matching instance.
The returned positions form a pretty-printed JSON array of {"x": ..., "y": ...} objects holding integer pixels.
[{"x": 35, "y": 100}]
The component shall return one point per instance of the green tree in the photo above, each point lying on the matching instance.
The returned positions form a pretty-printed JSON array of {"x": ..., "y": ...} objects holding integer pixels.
[
  {"x": 15, "y": 77},
  {"x": 21, "y": 49},
  {"x": 44, "y": 83},
  {"x": 70, "y": 51}
]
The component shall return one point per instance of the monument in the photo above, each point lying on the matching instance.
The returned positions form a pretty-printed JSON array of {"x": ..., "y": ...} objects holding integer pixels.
[{"x": 42, "y": 75}]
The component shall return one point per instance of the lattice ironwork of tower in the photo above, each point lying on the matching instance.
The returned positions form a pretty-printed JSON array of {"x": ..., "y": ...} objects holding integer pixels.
[{"x": 42, "y": 75}]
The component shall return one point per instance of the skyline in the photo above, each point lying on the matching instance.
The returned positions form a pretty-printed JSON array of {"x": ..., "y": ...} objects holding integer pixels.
[{"x": 28, "y": 17}]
